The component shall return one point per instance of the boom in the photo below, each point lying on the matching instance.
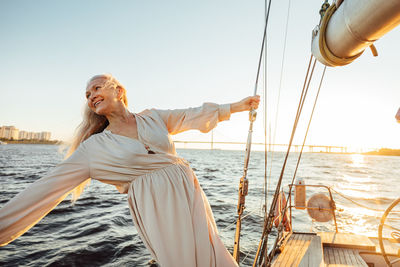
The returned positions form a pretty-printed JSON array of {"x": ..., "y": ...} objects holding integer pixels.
[{"x": 350, "y": 26}]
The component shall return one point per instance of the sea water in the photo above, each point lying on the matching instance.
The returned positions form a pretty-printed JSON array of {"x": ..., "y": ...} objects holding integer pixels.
[{"x": 98, "y": 229}]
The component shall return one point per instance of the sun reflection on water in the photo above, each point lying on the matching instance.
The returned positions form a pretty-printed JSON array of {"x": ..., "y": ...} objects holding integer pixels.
[
  {"x": 357, "y": 160},
  {"x": 358, "y": 221}
]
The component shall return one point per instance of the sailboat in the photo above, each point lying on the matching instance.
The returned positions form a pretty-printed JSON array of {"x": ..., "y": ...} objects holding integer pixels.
[
  {"x": 291, "y": 248},
  {"x": 346, "y": 29}
]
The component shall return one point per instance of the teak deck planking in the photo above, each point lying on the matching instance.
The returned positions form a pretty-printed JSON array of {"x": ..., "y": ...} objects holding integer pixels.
[
  {"x": 335, "y": 257},
  {"x": 294, "y": 250},
  {"x": 346, "y": 240},
  {"x": 339, "y": 249}
]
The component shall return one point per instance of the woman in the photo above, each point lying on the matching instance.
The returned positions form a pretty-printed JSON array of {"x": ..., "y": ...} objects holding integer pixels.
[{"x": 135, "y": 153}]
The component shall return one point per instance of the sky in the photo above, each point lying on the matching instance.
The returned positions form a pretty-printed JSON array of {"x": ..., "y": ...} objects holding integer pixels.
[{"x": 177, "y": 54}]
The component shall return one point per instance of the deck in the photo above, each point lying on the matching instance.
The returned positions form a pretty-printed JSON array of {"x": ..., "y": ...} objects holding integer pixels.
[
  {"x": 332, "y": 250},
  {"x": 302, "y": 249},
  {"x": 334, "y": 256},
  {"x": 346, "y": 240}
]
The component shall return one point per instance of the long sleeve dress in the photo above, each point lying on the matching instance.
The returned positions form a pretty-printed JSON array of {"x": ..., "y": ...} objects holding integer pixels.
[{"x": 167, "y": 204}]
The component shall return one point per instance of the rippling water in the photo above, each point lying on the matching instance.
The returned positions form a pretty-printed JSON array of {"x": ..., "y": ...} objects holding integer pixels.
[{"x": 98, "y": 230}]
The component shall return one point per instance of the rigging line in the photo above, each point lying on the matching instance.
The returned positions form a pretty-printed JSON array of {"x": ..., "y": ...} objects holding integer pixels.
[
  {"x": 284, "y": 47},
  {"x": 308, "y": 85},
  {"x": 291, "y": 138},
  {"x": 267, "y": 222},
  {"x": 262, "y": 47},
  {"x": 302, "y": 101},
  {"x": 265, "y": 120},
  {"x": 299, "y": 109},
  {"x": 305, "y": 137},
  {"x": 245, "y": 257},
  {"x": 265, "y": 154},
  {"x": 280, "y": 84},
  {"x": 303, "y": 97},
  {"x": 304, "y": 141},
  {"x": 359, "y": 204}
]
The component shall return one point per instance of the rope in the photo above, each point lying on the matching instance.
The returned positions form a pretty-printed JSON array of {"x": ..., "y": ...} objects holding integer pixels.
[
  {"x": 268, "y": 221},
  {"x": 305, "y": 137},
  {"x": 359, "y": 204},
  {"x": 245, "y": 257},
  {"x": 265, "y": 121},
  {"x": 279, "y": 88},
  {"x": 300, "y": 108},
  {"x": 323, "y": 47},
  {"x": 262, "y": 47}
]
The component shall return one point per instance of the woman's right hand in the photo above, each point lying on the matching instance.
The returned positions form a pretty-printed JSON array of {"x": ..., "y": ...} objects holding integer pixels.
[{"x": 248, "y": 103}]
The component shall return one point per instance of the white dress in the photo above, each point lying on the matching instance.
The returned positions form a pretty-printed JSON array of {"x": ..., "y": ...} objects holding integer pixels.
[{"x": 168, "y": 206}]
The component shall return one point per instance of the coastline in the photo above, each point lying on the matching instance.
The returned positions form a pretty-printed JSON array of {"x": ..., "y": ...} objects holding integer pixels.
[
  {"x": 380, "y": 152},
  {"x": 35, "y": 142},
  {"x": 384, "y": 152}
]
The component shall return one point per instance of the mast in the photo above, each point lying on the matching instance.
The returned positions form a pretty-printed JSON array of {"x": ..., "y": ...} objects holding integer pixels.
[{"x": 349, "y": 27}]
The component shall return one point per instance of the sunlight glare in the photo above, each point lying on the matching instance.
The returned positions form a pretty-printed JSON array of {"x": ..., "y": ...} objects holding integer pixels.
[{"x": 357, "y": 159}]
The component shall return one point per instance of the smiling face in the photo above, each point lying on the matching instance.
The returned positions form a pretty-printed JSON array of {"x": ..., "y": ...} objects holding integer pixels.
[{"x": 103, "y": 95}]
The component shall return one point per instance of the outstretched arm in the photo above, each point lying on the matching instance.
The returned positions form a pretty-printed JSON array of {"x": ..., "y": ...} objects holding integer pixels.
[
  {"x": 206, "y": 117},
  {"x": 28, "y": 207}
]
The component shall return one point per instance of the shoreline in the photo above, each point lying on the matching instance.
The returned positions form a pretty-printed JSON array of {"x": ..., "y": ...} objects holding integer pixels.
[
  {"x": 380, "y": 152},
  {"x": 33, "y": 142},
  {"x": 384, "y": 152}
]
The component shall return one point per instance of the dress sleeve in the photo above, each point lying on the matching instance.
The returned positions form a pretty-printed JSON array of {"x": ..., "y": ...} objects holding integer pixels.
[
  {"x": 29, "y": 206},
  {"x": 203, "y": 118}
]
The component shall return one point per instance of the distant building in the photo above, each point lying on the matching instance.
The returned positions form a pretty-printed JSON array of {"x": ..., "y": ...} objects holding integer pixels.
[
  {"x": 29, "y": 135},
  {"x": 23, "y": 135},
  {"x": 9, "y": 132},
  {"x": 36, "y": 136},
  {"x": 44, "y": 136}
]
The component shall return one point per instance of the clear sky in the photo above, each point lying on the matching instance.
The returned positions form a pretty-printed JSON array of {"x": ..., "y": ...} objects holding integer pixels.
[{"x": 175, "y": 54}]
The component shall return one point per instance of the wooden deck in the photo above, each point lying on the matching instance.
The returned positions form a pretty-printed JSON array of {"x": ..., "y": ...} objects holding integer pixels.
[
  {"x": 346, "y": 240},
  {"x": 334, "y": 256},
  {"x": 324, "y": 249},
  {"x": 330, "y": 249},
  {"x": 302, "y": 249}
]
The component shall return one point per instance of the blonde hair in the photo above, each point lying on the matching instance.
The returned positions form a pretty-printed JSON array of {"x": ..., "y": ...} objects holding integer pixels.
[{"x": 92, "y": 123}]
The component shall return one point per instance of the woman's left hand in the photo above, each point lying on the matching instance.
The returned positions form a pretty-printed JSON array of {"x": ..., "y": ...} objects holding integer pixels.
[{"x": 247, "y": 103}]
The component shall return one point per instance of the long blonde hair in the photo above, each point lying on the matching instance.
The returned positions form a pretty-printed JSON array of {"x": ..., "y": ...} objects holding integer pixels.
[{"x": 92, "y": 123}]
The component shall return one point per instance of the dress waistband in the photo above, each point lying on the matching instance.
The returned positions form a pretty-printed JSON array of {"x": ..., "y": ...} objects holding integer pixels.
[{"x": 123, "y": 187}]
